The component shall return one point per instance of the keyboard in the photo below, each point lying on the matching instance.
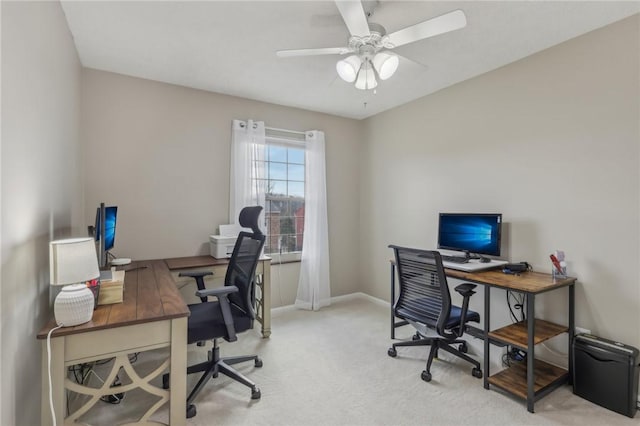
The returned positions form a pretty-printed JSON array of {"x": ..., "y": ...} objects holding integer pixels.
[{"x": 454, "y": 259}]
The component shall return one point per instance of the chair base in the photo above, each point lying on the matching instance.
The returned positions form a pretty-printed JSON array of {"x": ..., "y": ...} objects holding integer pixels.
[
  {"x": 437, "y": 343},
  {"x": 211, "y": 369}
]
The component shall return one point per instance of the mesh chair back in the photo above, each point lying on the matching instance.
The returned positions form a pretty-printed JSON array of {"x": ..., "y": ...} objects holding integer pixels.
[
  {"x": 242, "y": 269},
  {"x": 424, "y": 293}
]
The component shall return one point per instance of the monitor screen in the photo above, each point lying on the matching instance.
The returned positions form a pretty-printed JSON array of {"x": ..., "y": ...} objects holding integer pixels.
[
  {"x": 470, "y": 232},
  {"x": 110, "y": 216}
]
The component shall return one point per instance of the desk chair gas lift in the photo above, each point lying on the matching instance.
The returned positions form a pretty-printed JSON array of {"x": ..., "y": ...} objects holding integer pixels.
[
  {"x": 425, "y": 301},
  {"x": 232, "y": 312}
]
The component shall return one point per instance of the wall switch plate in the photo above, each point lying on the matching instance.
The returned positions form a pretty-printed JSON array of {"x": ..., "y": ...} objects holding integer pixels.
[{"x": 580, "y": 330}]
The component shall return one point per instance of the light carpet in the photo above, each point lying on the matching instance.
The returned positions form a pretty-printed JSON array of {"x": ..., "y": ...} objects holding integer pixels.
[{"x": 331, "y": 367}]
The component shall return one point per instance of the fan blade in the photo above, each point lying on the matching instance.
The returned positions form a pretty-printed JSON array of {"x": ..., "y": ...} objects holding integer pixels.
[
  {"x": 354, "y": 17},
  {"x": 432, "y": 27},
  {"x": 310, "y": 52}
]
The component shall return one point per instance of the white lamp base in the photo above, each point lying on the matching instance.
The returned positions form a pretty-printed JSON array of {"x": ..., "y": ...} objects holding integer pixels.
[{"x": 74, "y": 305}]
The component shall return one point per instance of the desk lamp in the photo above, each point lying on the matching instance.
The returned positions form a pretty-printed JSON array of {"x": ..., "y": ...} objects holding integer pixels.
[{"x": 72, "y": 263}]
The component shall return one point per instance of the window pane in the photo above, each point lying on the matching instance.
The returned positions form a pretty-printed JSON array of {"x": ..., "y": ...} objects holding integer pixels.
[
  {"x": 278, "y": 187},
  {"x": 296, "y": 172},
  {"x": 277, "y": 153},
  {"x": 296, "y": 155},
  {"x": 296, "y": 189},
  {"x": 278, "y": 171}
]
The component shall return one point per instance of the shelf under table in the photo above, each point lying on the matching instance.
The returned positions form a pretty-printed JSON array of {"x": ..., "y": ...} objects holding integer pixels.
[
  {"x": 514, "y": 378},
  {"x": 516, "y": 334}
]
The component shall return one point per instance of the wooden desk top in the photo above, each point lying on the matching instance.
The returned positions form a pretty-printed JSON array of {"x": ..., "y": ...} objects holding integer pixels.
[
  {"x": 194, "y": 262},
  {"x": 150, "y": 294},
  {"x": 529, "y": 282},
  {"x": 198, "y": 262}
]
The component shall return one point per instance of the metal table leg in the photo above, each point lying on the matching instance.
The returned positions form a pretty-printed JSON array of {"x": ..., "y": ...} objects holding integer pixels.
[
  {"x": 531, "y": 326},
  {"x": 487, "y": 349}
]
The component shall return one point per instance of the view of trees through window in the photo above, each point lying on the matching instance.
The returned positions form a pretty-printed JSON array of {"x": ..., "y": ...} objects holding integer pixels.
[{"x": 284, "y": 198}]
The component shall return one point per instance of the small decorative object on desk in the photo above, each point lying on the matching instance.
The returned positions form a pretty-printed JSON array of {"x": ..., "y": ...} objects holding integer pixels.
[
  {"x": 111, "y": 291},
  {"x": 559, "y": 266},
  {"x": 94, "y": 286}
]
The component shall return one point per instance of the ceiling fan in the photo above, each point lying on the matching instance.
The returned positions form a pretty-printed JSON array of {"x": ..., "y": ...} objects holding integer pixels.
[{"x": 371, "y": 46}]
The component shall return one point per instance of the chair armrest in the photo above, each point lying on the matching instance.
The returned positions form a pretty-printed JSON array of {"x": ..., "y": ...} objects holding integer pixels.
[
  {"x": 466, "y": 289},
  {"x": 221, "y": 294},
  {"x": 216, "y": 292},
  {"x": 199, "y": 277}
]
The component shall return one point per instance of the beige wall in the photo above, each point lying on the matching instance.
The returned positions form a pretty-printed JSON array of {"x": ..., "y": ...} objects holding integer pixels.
[
  {"x": 41, "y": 187},
  {"x": 552, "y": 142},
  {"x": 161, "y": 153}
]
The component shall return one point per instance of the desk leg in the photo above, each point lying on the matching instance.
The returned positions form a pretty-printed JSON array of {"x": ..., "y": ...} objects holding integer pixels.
[
  {"x": 393, "y": 300},
  {"x": 572, "y": 327},
  {"x": 531, "y": 326},
  {"x": 266, "y": 298},
  {"x": 177, "y": 373},
  {"x": 57, "y": 381},
  {"x": 487, "y": 346}
]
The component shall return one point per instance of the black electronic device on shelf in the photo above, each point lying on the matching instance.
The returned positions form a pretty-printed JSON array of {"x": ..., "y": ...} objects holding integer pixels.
[{"x": 516, "y": 268}]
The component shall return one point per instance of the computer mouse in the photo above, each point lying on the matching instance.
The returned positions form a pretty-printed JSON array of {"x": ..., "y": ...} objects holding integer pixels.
[{"x": 485, "y": 260}]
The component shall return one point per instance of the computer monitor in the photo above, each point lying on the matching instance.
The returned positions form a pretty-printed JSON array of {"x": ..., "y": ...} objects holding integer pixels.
[
  {"x": 105, "y": 225},
  {"x": 478, "y": 233}
]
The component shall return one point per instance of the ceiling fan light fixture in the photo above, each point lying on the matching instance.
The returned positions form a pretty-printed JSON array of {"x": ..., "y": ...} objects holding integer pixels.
[
  {"x": 366, "y": 77},
  {"x": 348, "y": 68},
  {"x": 385, "y": 64}
]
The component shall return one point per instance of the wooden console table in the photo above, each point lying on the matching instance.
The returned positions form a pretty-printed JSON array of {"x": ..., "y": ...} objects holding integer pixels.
[
  {"x": 152, "y": 315},
  {"x": 219, "y": 269},
  {"x": 537, "y": 378}
]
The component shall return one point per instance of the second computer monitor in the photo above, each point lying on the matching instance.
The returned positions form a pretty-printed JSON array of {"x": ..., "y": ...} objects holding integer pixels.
[{"x": 478, "y": 233}]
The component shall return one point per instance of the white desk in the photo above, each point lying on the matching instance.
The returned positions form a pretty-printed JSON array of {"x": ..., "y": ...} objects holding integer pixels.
[{"x": 152, "y": 315}]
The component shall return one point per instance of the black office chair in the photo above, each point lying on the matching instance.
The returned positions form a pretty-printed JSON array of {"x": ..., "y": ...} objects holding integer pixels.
[
  {"x": 232, "y": 312},
  {"x": 425, "y": 300}
]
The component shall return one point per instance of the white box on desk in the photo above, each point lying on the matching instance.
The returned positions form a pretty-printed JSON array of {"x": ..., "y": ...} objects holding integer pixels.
[{"x": 221, "y": 246}]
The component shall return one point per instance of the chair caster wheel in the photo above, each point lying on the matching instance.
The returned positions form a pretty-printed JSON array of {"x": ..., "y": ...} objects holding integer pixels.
[
  {"x": 258, "y": 363},
  {"x": 476, "y": 372},
  {"x": 426, "y": 376},
  {"x": 463, "y": 348},
  {"x": 255, "y": 393},
  {"x": 191, "y": 411},
  {"x": 165, "y": 381},
  {"x": 392, "y": 352},
  {"x": 416, "y": 337}
]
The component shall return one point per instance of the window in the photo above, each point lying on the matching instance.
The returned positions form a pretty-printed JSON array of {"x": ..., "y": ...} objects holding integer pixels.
[{"x": 284, "y": 197}]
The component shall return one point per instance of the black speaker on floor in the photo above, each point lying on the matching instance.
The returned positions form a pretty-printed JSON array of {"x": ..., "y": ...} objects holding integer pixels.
[{"x": 606, "y": 373}]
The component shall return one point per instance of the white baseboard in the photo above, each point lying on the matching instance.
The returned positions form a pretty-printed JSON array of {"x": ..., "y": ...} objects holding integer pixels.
[{"x": 351, "y": 296}]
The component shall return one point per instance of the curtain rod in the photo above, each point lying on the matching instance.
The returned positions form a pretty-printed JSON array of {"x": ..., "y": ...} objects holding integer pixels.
[{"x": 275, "y": 129}]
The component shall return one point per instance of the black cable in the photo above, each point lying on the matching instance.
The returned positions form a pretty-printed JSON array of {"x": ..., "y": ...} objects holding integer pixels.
[
  {"x": 513, "y": 315},
  {"x": 518, "y": 304}
]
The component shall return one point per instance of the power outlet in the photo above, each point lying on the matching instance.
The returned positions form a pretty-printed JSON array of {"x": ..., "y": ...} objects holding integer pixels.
[{"x": 580, "y": 330}]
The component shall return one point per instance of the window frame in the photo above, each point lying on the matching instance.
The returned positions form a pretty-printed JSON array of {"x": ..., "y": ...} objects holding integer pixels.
[{"x": 273, "y": 140}]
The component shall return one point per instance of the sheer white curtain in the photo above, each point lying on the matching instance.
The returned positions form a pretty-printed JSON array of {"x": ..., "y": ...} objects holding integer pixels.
[
  {"x": 247, "y": 168},
  {"x": 314, "y": 289}
]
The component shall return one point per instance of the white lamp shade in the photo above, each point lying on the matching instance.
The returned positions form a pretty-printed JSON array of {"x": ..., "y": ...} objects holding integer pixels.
[
  {"x": 385, "y": 64},
  {"x": 73, "y": 261},
  {"x": 348, "y": 68},
  {"x": 366, "y": 78}
]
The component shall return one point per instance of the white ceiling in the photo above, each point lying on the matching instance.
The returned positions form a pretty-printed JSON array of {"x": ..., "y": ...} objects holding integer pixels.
[{"x": 229, "y": 46}]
